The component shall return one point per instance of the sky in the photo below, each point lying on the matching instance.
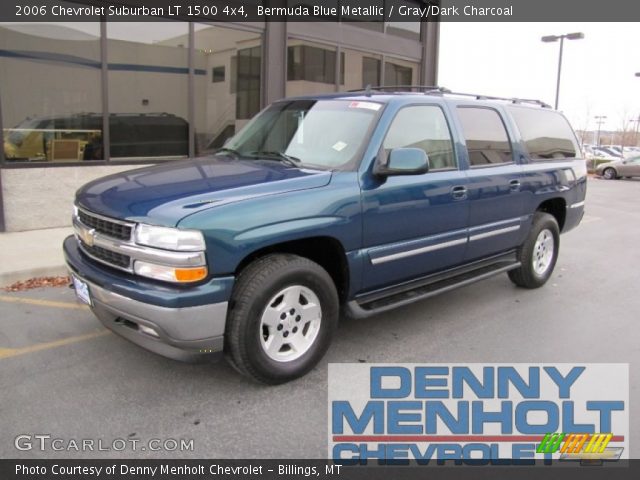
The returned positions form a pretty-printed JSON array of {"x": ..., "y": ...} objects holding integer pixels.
[{"x": 510, "y": 60}]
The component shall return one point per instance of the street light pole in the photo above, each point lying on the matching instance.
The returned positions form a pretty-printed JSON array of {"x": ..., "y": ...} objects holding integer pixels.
[
  {"x": 599, "y": 120},
  {"x": 559, "y": 71},
  {"x": 635, "y": 136},
  {"x": 637, "y": 120},
  {"x": 555, "y": 38}
]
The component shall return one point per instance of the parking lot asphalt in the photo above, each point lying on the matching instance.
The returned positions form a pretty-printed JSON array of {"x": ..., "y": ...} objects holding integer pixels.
[{"x": 62, "y": 374}]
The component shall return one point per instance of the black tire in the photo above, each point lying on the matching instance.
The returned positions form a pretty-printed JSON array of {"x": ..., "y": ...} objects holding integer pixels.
[
  {"x": 528, "y": 276},
  {"x": 255, "y": 288},
  {"x": 610, "y": 173}
]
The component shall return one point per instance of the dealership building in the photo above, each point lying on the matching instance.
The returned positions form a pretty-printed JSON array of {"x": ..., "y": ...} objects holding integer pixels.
[{"x": 82, "y": 100}]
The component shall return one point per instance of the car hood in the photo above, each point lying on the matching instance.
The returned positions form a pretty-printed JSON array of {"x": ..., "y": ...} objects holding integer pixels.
[
  {"x": 608, "y": 164},
  {"x": 166, "y": 193}
]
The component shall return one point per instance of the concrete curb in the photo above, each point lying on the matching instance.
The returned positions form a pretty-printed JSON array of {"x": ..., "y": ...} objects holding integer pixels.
[{"x": 8, "y": 278}]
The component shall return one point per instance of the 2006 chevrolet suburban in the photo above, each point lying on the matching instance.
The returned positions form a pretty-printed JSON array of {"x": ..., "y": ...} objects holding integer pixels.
[{"x": 352, "y": 202}]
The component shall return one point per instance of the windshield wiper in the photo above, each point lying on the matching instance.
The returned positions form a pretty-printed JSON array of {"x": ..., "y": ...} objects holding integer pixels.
[
  {"x": 230, "y": 151},
  {"x": 282, "y": 157}
]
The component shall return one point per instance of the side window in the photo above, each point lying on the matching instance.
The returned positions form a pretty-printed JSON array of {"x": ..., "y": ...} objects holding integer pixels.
[
  {"x": 486, "y": 136},
  {"x": 424, "y": 127},
  {"x": 546, "y": 134}
]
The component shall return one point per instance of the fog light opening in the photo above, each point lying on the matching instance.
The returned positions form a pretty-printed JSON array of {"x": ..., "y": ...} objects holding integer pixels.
[{"x": 148, "y": 330}]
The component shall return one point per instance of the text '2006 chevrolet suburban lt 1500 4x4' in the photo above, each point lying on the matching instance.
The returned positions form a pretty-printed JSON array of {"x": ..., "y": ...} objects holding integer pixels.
[{"x": 351, "y": 202}]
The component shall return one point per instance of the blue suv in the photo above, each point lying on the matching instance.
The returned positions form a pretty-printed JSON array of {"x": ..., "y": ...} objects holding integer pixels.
[{"x": 351, "y": 203}]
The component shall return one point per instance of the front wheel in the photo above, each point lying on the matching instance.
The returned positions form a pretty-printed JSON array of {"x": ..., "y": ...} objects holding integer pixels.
[
  {"x": 283, "y": 313},
  {"x": 610, "y": 174},
  {"x": 539, "y": 252}
]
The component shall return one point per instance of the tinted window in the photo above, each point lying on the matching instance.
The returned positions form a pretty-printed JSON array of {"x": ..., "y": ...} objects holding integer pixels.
[
  {"x": 218, "y": 74},
  {"x": 486, "y": 136},
  {"x": 423, "y": 127},
  {"x": 248, "y": 67},
  {"x": 311, "y": 64},
  {"x": 370, "y": 71},
  {"x": 546, "y": 134},
  {"x": 397, "y": 74}
]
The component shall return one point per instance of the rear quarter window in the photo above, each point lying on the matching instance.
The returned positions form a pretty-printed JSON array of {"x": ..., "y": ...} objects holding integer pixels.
[{"x": 546, "y": 134}]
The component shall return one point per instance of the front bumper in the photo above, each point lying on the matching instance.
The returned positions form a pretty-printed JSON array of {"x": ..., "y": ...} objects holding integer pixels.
[{"x": 186, "y": 326}]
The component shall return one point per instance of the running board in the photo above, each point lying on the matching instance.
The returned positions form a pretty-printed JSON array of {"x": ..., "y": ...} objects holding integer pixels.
[{"x": 378, "y": 302}]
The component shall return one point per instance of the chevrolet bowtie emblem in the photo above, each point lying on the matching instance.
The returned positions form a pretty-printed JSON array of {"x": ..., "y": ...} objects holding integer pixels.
[{"x": 89, "y": 236}]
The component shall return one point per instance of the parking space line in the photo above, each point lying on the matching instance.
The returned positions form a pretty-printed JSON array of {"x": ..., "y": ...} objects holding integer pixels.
[
  {"x": 14, "y": 352},
  {"x": 42, "y": 303}
]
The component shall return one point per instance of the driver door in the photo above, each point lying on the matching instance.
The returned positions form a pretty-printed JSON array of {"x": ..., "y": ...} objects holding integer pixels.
[{"x": 415, "y": 224}]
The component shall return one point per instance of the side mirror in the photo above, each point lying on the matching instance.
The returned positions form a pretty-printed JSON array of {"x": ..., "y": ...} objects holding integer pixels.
[{"x": 404, "y": 161}]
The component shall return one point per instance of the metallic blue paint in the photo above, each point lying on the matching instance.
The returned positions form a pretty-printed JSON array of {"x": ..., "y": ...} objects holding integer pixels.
[
  {"x": 244, "y": 206},
  {"x": 163, "y": 194}
]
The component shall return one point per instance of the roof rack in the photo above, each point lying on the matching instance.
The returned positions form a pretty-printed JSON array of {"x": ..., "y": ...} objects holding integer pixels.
[
  {"x": 399, "y": 88},
  {"x": 435, "y": 90}
]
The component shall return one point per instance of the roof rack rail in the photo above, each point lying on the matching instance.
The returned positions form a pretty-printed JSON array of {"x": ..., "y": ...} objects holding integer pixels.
[
  {"x": 436, "y": 90},
  {"x": 381, "y": 88},
  {"x": 505, "y": 99}
]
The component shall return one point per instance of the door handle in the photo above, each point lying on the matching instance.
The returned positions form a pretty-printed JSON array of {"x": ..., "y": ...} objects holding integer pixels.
[
  {"x": 514, "y": 185},
  {"x": 459, "y": 192}
]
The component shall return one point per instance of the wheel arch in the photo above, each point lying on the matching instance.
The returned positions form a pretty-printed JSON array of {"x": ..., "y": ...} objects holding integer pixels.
[
  {"x": 326, "y": 251},
  {"x": 556, "y": 207}
]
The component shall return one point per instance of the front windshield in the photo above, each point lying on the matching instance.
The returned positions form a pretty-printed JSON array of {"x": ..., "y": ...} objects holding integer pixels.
[{"x": 316, "y": 133}]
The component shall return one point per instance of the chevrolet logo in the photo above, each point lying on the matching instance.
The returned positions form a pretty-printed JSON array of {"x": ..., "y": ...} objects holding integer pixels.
[{"x": 88, "y": 236}]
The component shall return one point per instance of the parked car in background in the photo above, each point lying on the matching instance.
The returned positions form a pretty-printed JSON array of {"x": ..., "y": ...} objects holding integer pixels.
[
  {"x": 630, "y": 152},
  {"x": 609, "y": 152},
  {"x": 601, "y": 153},
  {"x": 629, "y": 167}
]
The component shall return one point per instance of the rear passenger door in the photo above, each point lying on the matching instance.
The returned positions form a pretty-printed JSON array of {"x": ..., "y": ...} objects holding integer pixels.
[
  {"x": 494, "y": 183},
  {"x": 415, "y": 224}
]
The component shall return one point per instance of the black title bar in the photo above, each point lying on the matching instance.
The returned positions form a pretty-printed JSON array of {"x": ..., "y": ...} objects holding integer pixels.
[
  {"x": 320, "y": 10},
  {"x": 172, "y": 469}
]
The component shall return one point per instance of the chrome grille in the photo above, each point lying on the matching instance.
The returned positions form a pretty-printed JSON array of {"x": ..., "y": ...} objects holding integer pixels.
[
  {"x": 107, "y": 256},
  {"x": 105, "y": 226}
]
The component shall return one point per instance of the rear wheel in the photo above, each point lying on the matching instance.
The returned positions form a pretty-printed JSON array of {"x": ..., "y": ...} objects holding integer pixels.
[
  {"x": 283, "y": 314},
  {"x": 610, "y": 174},
  {"x": 538, "y": 254}
]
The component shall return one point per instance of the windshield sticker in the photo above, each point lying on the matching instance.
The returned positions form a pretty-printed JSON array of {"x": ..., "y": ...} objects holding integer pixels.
[
  {"x": 368, "y": 105},
  {"x": 339, "y": 146}
]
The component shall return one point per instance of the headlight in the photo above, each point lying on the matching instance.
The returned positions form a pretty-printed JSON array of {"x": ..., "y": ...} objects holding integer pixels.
[{"x": 169, "y": 238}]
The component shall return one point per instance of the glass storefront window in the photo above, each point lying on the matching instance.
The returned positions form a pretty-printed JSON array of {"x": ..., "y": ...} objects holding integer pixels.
[
  {"x": 148, "y": 84},
  {"x": 361, "y": 69},
  {"x": 226, "y": 101},
  {"x": 51, "y": 97},
  {"x": 311, "y": 68},
  {"x": 400, "y": 72}
]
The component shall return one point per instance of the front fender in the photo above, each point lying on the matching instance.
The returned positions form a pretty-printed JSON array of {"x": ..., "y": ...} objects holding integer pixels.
[{"x": 235, "y": 231}]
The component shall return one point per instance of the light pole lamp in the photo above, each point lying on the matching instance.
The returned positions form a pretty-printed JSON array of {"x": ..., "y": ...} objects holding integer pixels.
[{"x": 555, "y": 38}]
